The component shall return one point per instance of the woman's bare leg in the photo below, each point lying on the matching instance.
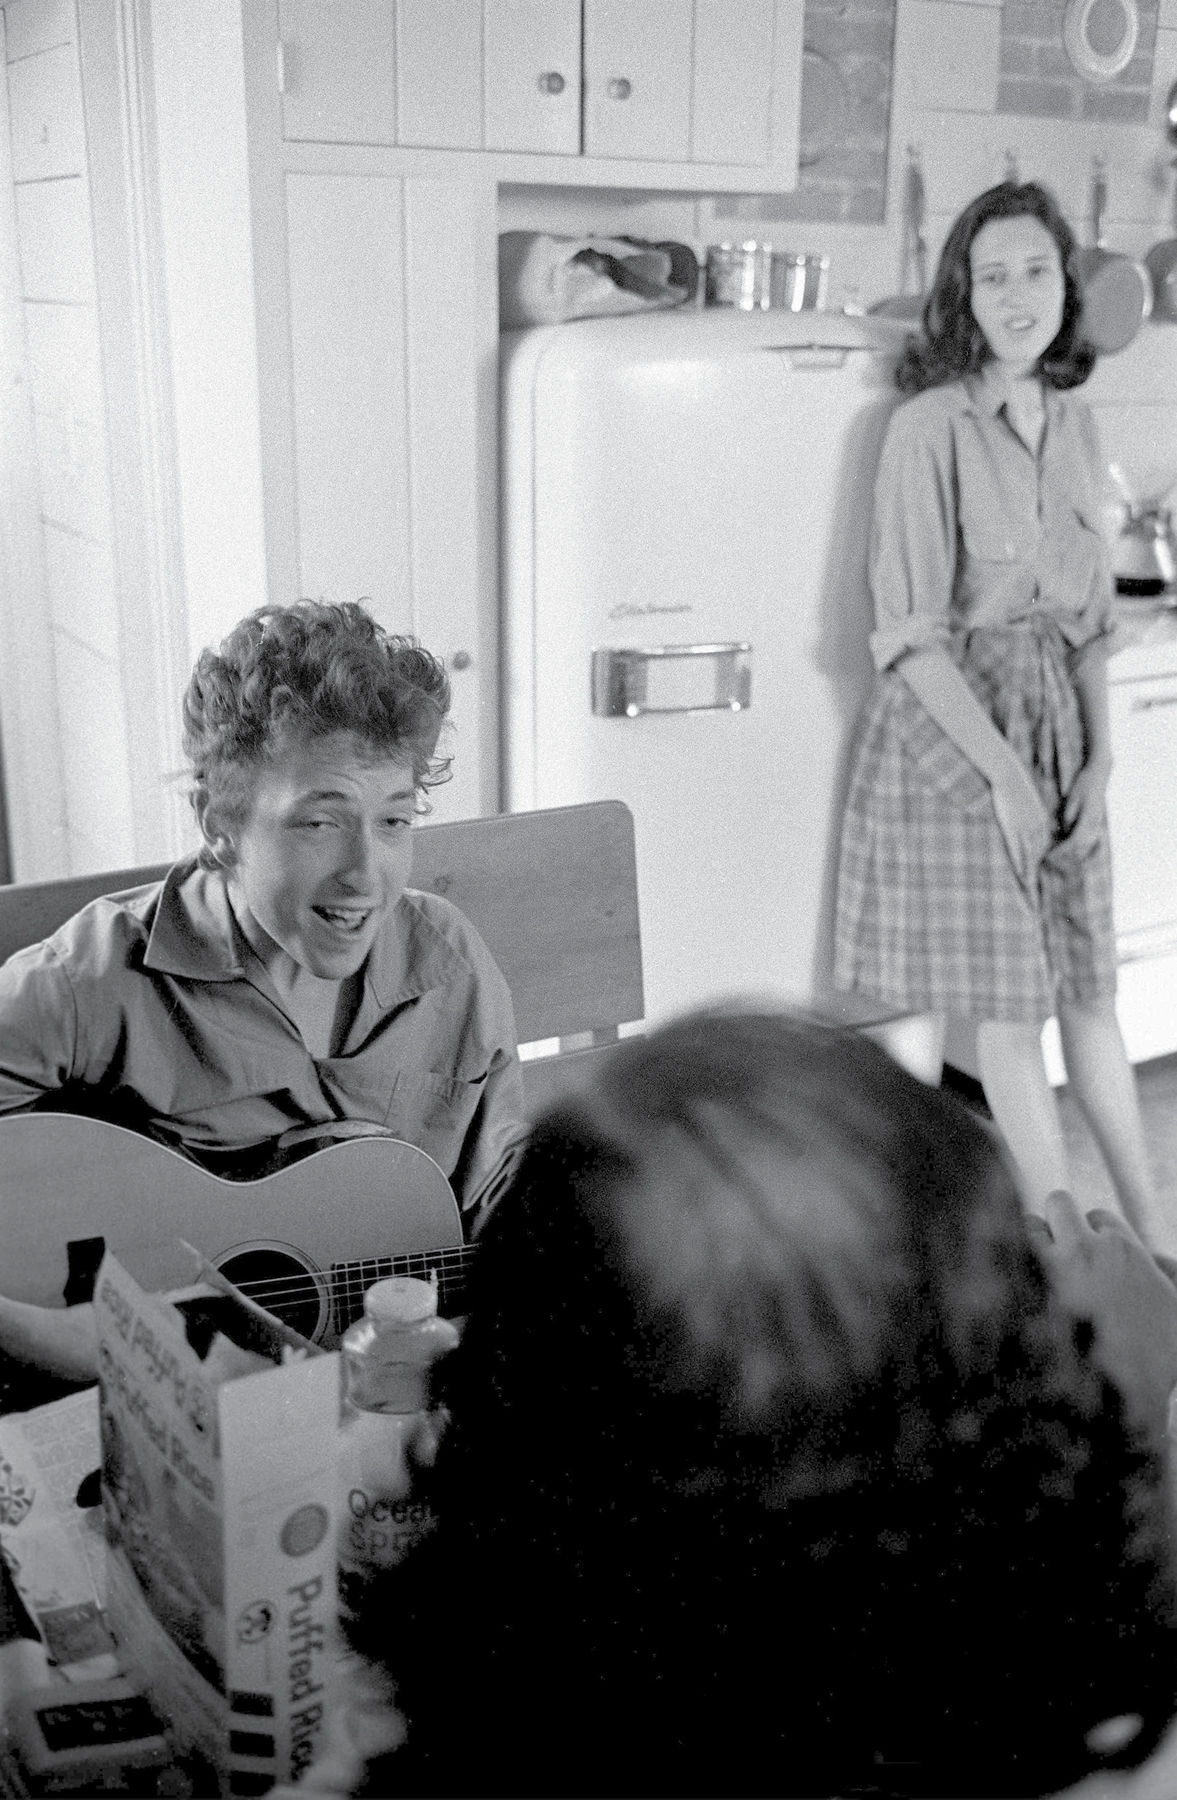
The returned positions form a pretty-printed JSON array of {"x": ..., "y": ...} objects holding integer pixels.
[
  {"x": 916, "y": 1043},
  {"x": 1013, "y": 1075},
  {"x": 1102, "y": 1081}
]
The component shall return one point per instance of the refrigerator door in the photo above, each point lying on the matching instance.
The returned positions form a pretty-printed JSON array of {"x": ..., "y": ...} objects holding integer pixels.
[{"x": 697, "y": 484}]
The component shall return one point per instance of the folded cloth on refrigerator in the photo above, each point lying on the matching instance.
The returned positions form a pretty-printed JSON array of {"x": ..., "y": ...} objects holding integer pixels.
[{"x": 545, "y": 279}]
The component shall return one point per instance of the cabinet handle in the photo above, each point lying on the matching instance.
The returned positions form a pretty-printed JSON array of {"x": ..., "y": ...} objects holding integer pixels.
[
  {"x": 281, "y": 66},
  {"x": 619, "y": 88},
  {"x": 1147, "y": 704},
  {"x": 551, "y": 82}
]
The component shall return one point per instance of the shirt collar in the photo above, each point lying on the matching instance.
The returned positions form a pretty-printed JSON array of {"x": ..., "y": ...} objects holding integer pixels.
[
  {"x": 987, "y": 397},
  {"x": 194, "y": 935},
  {"x": 410, "y": 956}
]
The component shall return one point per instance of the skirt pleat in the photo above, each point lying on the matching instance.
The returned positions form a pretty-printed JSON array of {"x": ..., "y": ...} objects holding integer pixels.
[{"x": 931, "y": 916}]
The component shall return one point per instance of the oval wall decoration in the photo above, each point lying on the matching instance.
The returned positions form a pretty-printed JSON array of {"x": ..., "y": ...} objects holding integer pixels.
[{"x": 1100, "y": 36}]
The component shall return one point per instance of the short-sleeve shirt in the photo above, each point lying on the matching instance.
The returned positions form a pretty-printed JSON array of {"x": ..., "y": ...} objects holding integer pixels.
[
  {"x": 148, "y": 1006},
  {"x": 972, "y": 529}
]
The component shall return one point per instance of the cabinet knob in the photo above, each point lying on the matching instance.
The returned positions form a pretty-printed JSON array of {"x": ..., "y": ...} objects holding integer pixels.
[
  {"x": 619, "y": 88},
  {"x": 551, "y": 82},
  {"x": 461, "y": 659}
]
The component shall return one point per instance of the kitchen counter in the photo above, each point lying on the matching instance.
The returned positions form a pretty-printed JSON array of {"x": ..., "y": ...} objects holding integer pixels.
[{"x": 1145, "y": 641}]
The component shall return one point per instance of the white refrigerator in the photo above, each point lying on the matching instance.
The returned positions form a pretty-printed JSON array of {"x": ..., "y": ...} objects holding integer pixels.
[{"x": 685, "y": 513}]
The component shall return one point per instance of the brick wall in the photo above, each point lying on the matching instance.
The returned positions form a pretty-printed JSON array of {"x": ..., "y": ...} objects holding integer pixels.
[
  {"x": 1038, "y": 80},
  {"x": 845, "y": 113}
]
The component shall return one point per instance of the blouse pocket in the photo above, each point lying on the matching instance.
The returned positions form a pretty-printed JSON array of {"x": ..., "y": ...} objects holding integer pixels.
[
  {"x": 992, "y": 540},
  {"x": 944, "y": 768}
]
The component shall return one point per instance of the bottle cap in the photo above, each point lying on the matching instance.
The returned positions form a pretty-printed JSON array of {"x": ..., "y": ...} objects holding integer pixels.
[{"x": 401, "y": 1300}]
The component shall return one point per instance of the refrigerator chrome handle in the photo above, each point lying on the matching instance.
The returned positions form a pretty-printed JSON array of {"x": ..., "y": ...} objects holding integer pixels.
[
  {"x": 671, "y": 678},
  {"x": 817, "y": 356}
]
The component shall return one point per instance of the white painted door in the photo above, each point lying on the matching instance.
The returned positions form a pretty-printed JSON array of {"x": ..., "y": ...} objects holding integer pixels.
[
  {"x": 392, "y": 408},
  {"x": 532, "y": 76},
  {"x": 637, "y": 79},
  {"x": 439, "y": 73},
  {"x": 732, "y": 81},
  {"x": 337, "y": 71}
]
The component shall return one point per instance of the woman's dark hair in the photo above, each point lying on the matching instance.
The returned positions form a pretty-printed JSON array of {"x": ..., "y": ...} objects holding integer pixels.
[
  {"x": 773, "y": 1466},
  {"x": 291, "y": 674},
  {"x": 954, "y": 344}
]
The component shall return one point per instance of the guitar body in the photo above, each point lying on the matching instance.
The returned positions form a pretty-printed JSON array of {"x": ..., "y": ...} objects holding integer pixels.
[{"x": 305, "y": 1241}]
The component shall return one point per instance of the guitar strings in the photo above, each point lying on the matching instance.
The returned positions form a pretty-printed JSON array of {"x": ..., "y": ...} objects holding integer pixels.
[{"x": 341, "y": 1272}]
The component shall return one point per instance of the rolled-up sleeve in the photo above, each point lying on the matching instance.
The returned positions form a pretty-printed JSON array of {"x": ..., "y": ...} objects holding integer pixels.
[
  {"x": 38, "y": 1026},
  {"x": 912, "y": 563},
  {"x": 1091, "y": 576}
]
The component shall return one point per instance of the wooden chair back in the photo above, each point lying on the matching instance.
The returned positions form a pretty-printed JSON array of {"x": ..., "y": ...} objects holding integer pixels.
[{"x": 552, "y": 893}]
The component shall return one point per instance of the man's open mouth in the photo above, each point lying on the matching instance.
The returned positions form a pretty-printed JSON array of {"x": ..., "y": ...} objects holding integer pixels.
[{"x": 346, "y": 919}]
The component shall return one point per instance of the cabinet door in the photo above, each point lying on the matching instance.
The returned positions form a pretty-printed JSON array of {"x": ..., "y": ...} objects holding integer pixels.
[
  {"x": 731, "y": 98},
  {"x": 637, "y": 79},
  {"x": 347, "y": 348},
  {"x": 439, "y": 73},
  {"x": 532, "y": 75},
  {"x": 338, "y": 71}
]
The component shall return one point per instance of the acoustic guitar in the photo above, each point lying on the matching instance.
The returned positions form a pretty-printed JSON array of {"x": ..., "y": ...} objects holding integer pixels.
[{"x": 304, "y": 1243}]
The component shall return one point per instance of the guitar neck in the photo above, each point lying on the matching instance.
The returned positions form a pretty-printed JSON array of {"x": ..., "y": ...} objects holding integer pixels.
[{"x": 350, "y": 1280}]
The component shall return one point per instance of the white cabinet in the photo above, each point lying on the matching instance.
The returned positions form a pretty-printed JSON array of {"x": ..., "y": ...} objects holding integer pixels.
[
  {"x": 532, "y": 76},
  {"x": 1141, "y": 814},
  {"x": 707, "y": 84},
  {"x": 637, "y": 78}
]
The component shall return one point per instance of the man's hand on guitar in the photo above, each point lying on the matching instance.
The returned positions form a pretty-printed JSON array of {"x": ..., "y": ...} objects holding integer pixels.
[{"x": 59, "y": 1340}]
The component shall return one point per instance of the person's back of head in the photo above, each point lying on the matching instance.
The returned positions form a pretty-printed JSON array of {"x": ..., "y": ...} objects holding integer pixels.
[{"x": 773, "y": 1466}]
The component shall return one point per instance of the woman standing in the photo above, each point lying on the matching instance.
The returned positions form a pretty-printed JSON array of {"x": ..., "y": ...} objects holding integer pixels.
[{"x": 975, "y": 874}]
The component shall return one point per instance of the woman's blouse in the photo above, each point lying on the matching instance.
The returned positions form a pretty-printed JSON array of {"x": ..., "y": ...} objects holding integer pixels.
[{"x": 972, "y": 529}]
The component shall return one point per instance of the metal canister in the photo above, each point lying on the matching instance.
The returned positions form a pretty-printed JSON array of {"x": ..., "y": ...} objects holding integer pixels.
[
  {"x": 739, "y": 275},
  {"x": 799, "y": 280}
]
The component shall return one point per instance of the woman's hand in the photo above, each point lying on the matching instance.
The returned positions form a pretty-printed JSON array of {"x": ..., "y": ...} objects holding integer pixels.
[
  {"x": 1083, "y": 810},
  {"x": 1025, "y": 824}
]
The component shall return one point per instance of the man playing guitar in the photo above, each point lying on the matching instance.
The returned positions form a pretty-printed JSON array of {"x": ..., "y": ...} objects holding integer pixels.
[{"x": 283, "y": 984}]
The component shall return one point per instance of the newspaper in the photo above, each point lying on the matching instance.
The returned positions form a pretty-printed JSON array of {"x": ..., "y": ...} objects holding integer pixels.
[{"x": 55, "y": 1549}]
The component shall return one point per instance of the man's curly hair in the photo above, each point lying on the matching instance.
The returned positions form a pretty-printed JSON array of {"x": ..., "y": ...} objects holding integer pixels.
[{"x": 290, "y": 674}]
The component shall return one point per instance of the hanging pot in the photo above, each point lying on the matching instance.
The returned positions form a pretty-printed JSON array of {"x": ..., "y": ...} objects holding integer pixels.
[
  {"x": 1117, "y": 291},
  {"x": 1161, "y": 261}
]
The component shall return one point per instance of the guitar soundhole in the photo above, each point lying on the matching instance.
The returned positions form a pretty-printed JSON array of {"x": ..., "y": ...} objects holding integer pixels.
[{"x": 281, "y": 1283}]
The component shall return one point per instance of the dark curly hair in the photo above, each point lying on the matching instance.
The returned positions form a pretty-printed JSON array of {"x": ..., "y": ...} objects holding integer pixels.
[
  {"x": 953, "y": 343},
  {"x": 294, "y": 673},
  {"x": 774, "y": 1467}
]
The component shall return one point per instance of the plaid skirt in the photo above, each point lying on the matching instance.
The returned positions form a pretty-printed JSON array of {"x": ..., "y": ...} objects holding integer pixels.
[{"x": 930, "y": 914}]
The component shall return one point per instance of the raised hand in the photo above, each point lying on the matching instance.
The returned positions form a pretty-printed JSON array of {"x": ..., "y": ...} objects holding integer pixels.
[{"x": 1101, "y": 1271}]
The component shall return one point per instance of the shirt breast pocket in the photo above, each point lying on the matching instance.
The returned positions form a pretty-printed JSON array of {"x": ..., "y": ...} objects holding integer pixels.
[
  {"x": 992, "y": 541},
  {"x": 434, "y": 1112}
]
